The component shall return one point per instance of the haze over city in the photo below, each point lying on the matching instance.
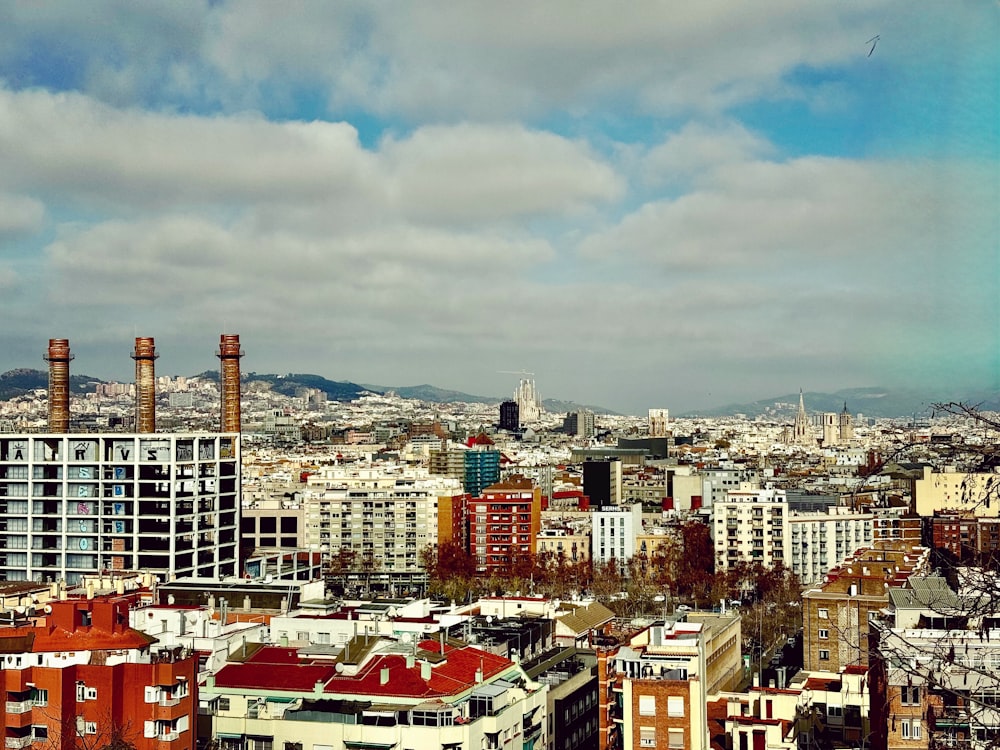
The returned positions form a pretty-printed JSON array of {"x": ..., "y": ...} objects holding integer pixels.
[{"x": 644, "y": 208}]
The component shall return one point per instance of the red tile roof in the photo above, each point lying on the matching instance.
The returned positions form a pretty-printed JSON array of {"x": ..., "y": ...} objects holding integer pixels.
[
  {"x": 47, "y": 640},
  {"x": 300, "y": 678},
  {"x": 456, "y": 673}
]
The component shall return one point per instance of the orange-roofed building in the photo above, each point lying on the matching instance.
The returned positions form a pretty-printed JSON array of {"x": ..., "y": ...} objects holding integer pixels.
[{"x": 79, "y": 674}]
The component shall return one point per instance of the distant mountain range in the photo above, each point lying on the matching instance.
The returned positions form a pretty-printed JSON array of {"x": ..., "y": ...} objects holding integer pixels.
[
  {"x": 21, "y": 381},
  {"x": 872, "y": 402},
  {"x": 436, "y": 395}
]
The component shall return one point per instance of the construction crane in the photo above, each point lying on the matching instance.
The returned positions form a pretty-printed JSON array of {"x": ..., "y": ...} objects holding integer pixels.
[{"x": 512, "y": 372}]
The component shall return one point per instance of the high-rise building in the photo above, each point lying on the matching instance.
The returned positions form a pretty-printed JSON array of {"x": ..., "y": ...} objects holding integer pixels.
[
  {"x": 614, "y": 532},
  {"x": 510, "y": 418},
  {"x": 482, "y": 467},
  {"x": 73, "y": 504},
  {"x": 580, "y": 424},
  {"x": 380, "y": 518},
  {"x": 504, "y": 522},
  {"x": 759, "y": 526},
  {"x": 602, "y": 482}
]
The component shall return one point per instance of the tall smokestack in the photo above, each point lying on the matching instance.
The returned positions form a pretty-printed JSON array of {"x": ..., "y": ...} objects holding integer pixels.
[
  {"x": 58, "y": 357},
  {"x": 229, "y": 381},
  {"x": 145, "y": 385}
]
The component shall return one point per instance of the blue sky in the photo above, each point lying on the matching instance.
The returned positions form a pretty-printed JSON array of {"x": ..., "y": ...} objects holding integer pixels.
[{"x": 666, "y": 207}]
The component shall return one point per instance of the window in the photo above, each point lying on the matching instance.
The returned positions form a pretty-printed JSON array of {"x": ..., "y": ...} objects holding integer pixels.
[
  {"x": 39, "y": 697},
  {"x": 824, "y": 634},
  {"x": 675, "y": 738},
  {"x": 824, "y": 654},
  {"x": 909, "y": 695},
  {"x": 675, "y": 706},
  {"x": 222, "y": 704},
  {"x": 260, "y": 743},
  {"x": 915, "y": 728},
  {"x": 40, "y": 732},
  {"x": 647, "y": 737},
  {"x": 647, "y": 705},
  {"x": 823, "y": 613},
  {"x": 904, "y": 729}
]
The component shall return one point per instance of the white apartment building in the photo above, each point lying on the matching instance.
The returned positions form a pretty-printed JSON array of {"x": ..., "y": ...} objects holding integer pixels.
[
  {"x": 816, "y": 542},
  {"x": 613, "y": 533},
  {"x": 757, "y": 525},
  {"x": 385, "y": 515},
  {"x": 75, "y": 504}
]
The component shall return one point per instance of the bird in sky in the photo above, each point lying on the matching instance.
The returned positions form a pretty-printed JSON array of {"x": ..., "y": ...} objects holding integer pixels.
[{"x": 874, "y": 43}]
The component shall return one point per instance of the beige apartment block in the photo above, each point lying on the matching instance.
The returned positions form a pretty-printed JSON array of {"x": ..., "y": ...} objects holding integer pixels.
[{"x": 975, "y": 493}]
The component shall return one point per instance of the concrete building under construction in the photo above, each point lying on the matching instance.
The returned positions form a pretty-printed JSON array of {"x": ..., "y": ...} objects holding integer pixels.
[{"x": 76, "y": 504}]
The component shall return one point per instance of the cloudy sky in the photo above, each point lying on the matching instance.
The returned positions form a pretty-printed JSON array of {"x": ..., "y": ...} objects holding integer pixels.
[{"x": 646, "y": 204}]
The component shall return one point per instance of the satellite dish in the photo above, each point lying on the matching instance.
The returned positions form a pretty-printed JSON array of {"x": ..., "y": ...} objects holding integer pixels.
[
  {"x": 407, "y": 637},
  {"x": 339, "y": 667}
]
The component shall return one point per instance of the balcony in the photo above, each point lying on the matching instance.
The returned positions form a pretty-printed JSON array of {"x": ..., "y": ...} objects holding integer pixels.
[
  {"x": 17, "y": 707},
  {"x": 17, "y": 742}
]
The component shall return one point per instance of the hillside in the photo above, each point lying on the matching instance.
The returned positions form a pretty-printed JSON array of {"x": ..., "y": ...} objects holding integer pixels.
[
  {"x": 288, "y": 385},
  {"x": 22, "y": 380}
]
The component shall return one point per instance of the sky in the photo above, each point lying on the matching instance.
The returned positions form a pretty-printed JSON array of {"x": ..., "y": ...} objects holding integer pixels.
[{"x": 674, "y": 205}]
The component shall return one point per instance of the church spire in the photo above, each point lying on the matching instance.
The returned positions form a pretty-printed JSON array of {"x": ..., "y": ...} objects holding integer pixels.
[{"x": 802, "y": 431}]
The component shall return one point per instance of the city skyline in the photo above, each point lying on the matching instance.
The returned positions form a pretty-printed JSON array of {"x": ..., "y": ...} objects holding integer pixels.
[{"x": 692, "y": 208}]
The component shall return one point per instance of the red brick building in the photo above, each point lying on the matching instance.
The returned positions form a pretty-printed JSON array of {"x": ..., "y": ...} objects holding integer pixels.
[
  {"x": 78, "y": 676},
  {"x": 504, "y": 523}
]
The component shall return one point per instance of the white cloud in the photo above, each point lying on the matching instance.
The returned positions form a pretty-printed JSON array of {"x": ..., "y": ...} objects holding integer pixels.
[
  {"x": 19, "y": 215},
  {"x": 87, "y": 153},
  {"x": 446, "y": 60},
  {"x": 696, "y": 150},
  {"x": 815, "y": 213},
  {"x": 96, "y": 153},
  {"x": 476, "y": 172}
]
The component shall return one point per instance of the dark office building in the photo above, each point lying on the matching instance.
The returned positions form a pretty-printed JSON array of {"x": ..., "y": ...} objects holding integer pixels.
[
  {"x": 602, "y": 482},
  {"x": 510, "y": 417}
]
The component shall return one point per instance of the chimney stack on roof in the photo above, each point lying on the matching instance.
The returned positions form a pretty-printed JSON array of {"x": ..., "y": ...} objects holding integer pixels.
[
  {"x": 58, "y": 357},
  {"x": 229, "y": 382},
  {"x": 145, "y": 384}
]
